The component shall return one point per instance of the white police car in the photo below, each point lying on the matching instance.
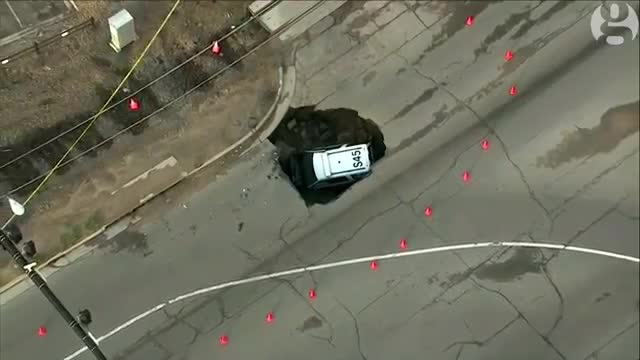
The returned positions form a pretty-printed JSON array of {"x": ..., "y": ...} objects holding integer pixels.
[{"x": 332, "y": 166}]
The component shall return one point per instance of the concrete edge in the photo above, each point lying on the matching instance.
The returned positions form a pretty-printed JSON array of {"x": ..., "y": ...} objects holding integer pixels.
[
  {"x": 76, "y": 252},
  {"x": 288, "y": 90}
]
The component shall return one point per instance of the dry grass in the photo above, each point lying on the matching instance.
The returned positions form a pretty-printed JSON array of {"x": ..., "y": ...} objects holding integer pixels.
[{"x": 220, "y": 111}]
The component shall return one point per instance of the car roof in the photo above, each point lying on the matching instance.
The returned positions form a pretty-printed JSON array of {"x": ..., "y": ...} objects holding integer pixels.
[{"x": 339, "y": 161}]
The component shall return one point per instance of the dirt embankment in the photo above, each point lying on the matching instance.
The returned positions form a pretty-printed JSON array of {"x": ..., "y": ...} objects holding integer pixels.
[
  {"x": 46, "y": 94},
  {"x": 43, "y": 95}
]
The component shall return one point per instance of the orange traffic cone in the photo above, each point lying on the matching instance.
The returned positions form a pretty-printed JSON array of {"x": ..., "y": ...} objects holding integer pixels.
[
  {"x": 134, "y": 105},
  {"x": 469, "y": 21},
  {"x": 216, "y": 49},
  {"x": 508, "y": 55}
]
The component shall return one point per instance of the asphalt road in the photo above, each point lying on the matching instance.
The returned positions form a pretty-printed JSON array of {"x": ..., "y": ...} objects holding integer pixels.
[
  {"x": 558, "y": 171},
  {"x": 563, "y": 168}
]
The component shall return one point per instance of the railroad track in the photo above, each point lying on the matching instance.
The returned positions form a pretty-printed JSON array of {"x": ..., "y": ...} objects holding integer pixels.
[{"x": 36, "y": 152}]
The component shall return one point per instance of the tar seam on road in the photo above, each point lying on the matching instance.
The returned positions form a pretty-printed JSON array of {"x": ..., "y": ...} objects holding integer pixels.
[{"x": 360, "y": 260}]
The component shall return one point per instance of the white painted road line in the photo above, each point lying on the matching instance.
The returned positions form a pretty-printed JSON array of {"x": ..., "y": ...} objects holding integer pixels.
[{"x": 353, "y": 262}]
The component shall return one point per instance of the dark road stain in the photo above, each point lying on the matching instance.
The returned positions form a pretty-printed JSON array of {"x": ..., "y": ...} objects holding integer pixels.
[
  {"x": 501, "y": 30},
  {"x": 424, "y": 97},
  {"x": 523, "y": 261},
  {"x": 440, "y": 117},
  {"x": 360, "y": 21},
  {"x": 616, "y": 124},
  {"x": 368, "y": 77},
  {"x": 432, "y": 279},
  {"x": 311, "y": 323},
  {"x": 457, "y": 12},
  {"x": 513, "y": 20},
  {"x": 240, "y": 226},
  {"x": 456, "y": 278},
  {"x": 528, "y": 50},
  {"x": 130, "y": 241},
  {"x": 343, "y": 12},
  {"x": 602, "y": 297},
  {"x": 357, "y": 23},
  {"x": 529, "y": 23}
]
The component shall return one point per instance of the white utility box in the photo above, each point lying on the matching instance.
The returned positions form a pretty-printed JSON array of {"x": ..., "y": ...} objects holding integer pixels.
[{"x": 123, "y": 31}]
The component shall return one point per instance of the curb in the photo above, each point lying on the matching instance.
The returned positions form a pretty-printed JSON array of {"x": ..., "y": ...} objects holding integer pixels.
[
  {"x": 284, "y": 99},
  {"x": 275, "y": 112}
]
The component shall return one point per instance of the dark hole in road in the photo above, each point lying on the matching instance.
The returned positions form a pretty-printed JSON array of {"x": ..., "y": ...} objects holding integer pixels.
[{"x": 306, "y": 128}]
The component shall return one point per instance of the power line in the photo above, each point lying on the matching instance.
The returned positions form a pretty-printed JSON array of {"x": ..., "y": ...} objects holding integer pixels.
[
  {"x": 219, "y": 72},
  {"x": 102, "y": 110},
  {"x": 151, "y": 83}
]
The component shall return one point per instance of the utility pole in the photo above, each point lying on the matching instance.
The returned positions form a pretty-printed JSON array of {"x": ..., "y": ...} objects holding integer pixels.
[{"x": 8, "y": 244}]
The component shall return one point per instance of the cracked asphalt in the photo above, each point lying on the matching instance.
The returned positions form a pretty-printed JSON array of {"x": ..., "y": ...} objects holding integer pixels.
[{"x": 562, "y": 167}]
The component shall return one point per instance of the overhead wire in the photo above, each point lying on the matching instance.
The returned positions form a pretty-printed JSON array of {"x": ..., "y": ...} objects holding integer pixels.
[
  {"x": 277, "y": 33},
  {"x": 102, "y": 110},
  {"x": 144, "y": 87}
]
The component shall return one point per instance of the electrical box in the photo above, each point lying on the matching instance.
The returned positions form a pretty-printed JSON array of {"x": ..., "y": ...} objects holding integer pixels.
[{"x": 123, "y": 31}]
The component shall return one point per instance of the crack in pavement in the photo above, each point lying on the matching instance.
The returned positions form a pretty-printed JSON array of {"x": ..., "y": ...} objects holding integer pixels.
[
  {"x": 453, "y": 164},
  {"x": 594, "y": 355},
  {"x": 444, "y": 200},
  {"x": 466, "y": 325},
  {"x": 627, "y": 216},
  {"x": 492, "y": 131},
  {"x": 361, "y": 227},
  {"x": 355, "y": 76},
  {"x": 413, "y": 10},
  {"x": 456, "y": 281},
  {"x": 555, "y": 287},
  {"x": 151, "y": 335},
  {"x": 196, "y": 331},
  {"x": 347, "y": 29},
  {"x": 582, "y": 231},
  {"x": 356, "y": 326},
  {"x": 289, "y": 247},
  {"x": 455, "y": 299},
  {"x": 521, "y": 315},
  {"x": 161, "y": 346},
  {"x": 459, "y": 353},
  {"x": 387, "y": 291},
  {"x": 247, "y": 253},
  {"x": 593, "y": 182},
  {"x": 481, "y": 343},
  {"x": 147, "y": 338},
  {"x": 329, "y": 339}
]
